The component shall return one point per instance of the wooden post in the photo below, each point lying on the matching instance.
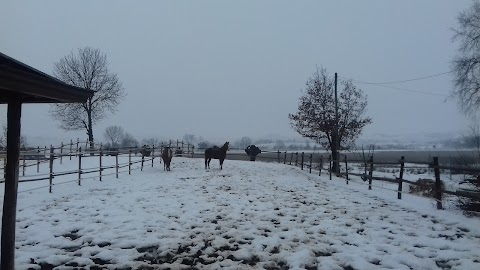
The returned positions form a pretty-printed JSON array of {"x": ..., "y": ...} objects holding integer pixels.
[
  {"x": 79, "y": 151},
  {"x": 100, "y": 156},
  {"x": 278, "y": 156},
  {"x": 14, "y": 112},
  {"x": 116, "y": 165},
  {"x": 400, "y": 179},
  {"x": 143, "y": 159},
  {"x": 78, "y": 141},
  {"x": 38, "y": 159},
  {"x": 311, "y": 156},
  {"x": 188, "y": 148},
  {"x": 438, "y": 183},
  {"x": 177, "y": 143},
  {"x": 192, "y": 150},
  {"x": 285, "y": 158},
  {"x": 51, "y": 170},
  {"x": 370, "y": 174},
  {"x": 296, "y": 159},
  {"x": 321, "y": 166},
  {"x": 24, "y": 165},
  {"x": 303, "y": 154},
  {"x": 182, "y": 146},
  {"x": 61, "y": 152},
  {"x": 346, "y": 168},
  {"x": 153, "y": 153},
  {"x": 330, "y": 165},
  {"x": 70, "y": 153},
  {"x": 130, "y": 160},
  {"x": 45, "y": 151},
  {"x": 291, "y": 157}
]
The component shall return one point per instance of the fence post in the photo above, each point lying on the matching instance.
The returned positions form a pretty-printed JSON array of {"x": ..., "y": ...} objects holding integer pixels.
[
  {"x": 45, "y": 151},
  {"x": 143, "y": 159},
  {"x": 278, "y": 155},
  {"x": 285, "y": 158},
  {"x": 400, "y": 180},
  {"x": 177, "y": 143},
  {"x": 370, "y": 174},
  {"x": 23, "y": 164},
  {"x": 38, "y": 159},
  {"x": 51, "y": 170},
  {"x": 116, "y": 165},
  {"x": 70, "y": 153},
  {"x": 330, "y": 166},
  {"x": 101, "y": 154},
  {"x": 182, "y": 146},
  {"x": 193, "y": 147},
  {"x": 311, "y": 156},
  {"x": 61, "y": 153},
  {"x": 130, "y": 160},
  {"x": 188, "y": 148},
  {"x": 438, "y": 184},
  {"x": 303, "y": 154},
  {"x": 153, "y": 153},
  {"x": 79, "y": 150},
  {"x": 78, "y": 141},
  {"x": 296, "y": 159},
  {"x": 321, "y": 166},
  {"x": 291, "y": 157},
  {"x": 346, "y": 168}
]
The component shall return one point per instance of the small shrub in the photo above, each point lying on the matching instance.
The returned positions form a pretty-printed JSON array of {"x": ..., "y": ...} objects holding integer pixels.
[{"x": 425, "y": 187}]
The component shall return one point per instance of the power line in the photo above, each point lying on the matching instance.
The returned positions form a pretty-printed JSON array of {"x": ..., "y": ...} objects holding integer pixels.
[
  {"x": 404, "y": 89},
  {"x": 409, "y": 80},
  {"x": 407, "y": 90}
]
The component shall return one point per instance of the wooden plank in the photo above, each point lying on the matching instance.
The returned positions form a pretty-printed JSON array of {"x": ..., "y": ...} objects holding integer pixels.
[{"x": 14, "y": 113}]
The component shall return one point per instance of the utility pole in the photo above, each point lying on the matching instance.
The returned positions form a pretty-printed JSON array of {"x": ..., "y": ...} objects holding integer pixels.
[{"x": 337, "y": 139}]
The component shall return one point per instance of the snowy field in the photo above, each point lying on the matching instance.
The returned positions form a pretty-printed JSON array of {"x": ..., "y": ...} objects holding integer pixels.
[{"x": 250, "y": 215}]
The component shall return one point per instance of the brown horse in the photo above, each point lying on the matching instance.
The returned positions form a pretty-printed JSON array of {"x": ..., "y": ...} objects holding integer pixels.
[
  {"x": 216, "y": 153},
  {"x": 167, "y": 158}
]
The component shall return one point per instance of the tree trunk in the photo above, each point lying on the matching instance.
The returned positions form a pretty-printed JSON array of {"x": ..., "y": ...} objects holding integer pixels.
[
  {"x": 90, "y": 127},
  {"x": 335, "y": 158},
  {"x": 335, "y": 155}
]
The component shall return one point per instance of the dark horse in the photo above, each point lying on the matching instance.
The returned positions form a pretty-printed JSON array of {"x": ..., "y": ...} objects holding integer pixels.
[{"x": 216, "y": 153}]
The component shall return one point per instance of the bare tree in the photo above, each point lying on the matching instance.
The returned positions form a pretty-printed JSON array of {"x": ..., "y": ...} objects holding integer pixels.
[
  {"x": 466, "y": 64},
  {"x": 113, "y": 134},
  {"x": 3, "y": 139},
  {"x": 189, "y": 138},
  {"x": 316, "y": 119},
  {"x": 243, "y": 142},
  {"x": 151, "y": 141},
  {"x": 128, "y": 140},
  {"x": 87, "y": 68}
]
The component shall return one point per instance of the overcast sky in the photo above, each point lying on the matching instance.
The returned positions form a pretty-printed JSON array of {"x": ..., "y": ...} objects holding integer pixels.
[{"x": 227, "y": 69}]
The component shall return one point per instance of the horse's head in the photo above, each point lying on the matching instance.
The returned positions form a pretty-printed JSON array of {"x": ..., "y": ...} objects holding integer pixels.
[{"x": 227, "y": 146}]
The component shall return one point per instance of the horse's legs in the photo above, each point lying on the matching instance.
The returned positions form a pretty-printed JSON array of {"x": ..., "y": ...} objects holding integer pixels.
[
  {"x": 221, "y": 163},
  {"x": 206, "y": 162}
]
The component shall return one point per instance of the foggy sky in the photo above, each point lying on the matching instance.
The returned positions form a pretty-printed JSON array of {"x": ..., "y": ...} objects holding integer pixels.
[{"x": 227, "y": 69}]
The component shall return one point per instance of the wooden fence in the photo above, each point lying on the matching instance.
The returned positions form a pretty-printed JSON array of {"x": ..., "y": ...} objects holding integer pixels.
[
  {"x": 137, "y": 156},
  {"x": 323, "y": 164}
]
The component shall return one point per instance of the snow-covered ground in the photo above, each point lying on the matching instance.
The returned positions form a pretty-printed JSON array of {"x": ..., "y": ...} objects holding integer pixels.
[{"x": 250, "y": 215}]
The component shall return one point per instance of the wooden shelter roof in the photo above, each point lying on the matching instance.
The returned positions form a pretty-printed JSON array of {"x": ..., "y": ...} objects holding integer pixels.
[{"x": 34, "y": 86}]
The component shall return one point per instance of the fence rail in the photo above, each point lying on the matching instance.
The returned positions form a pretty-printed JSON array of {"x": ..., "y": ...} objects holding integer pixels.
[{"x": 323, "y": 163}]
